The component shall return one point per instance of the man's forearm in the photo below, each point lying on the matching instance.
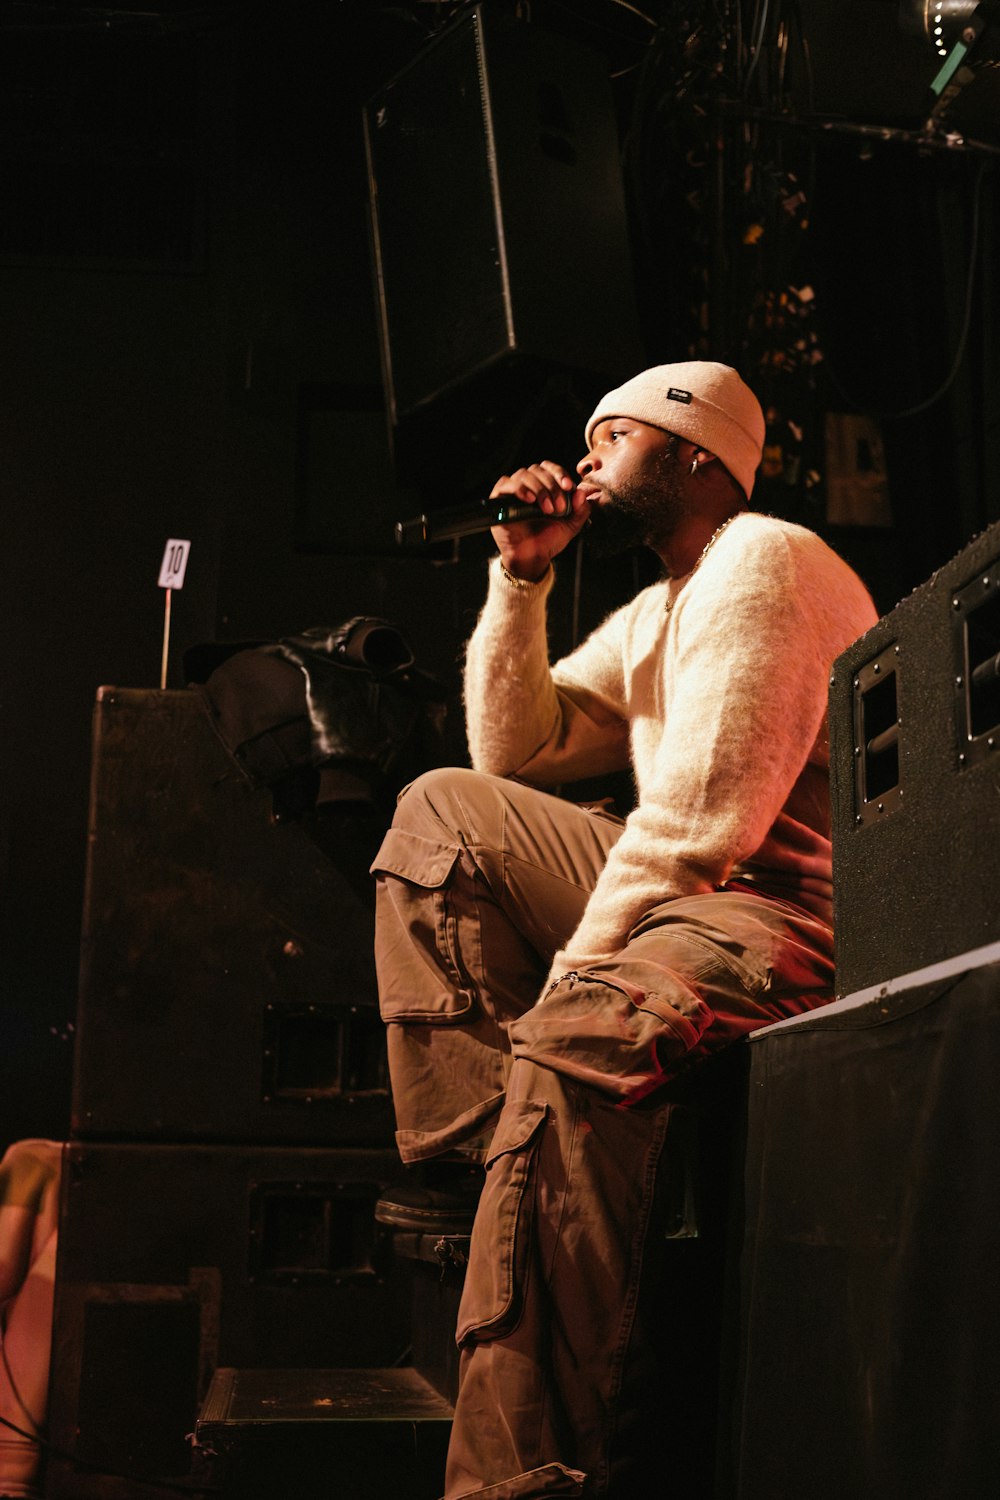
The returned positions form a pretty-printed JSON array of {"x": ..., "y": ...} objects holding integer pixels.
[{"x": 510, "y": 700}]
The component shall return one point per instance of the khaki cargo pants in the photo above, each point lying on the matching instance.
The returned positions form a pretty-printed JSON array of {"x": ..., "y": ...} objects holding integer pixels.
[{"x": 480, "y": 881}]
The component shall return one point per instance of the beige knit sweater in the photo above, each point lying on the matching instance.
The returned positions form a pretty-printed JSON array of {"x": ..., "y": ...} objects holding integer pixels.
[{"x": 715, "y": 687}]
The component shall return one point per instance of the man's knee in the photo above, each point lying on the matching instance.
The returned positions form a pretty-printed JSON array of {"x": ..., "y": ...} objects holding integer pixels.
[
  {"x": 439, "y": 795},
  {"x": 454, "y": 805}
]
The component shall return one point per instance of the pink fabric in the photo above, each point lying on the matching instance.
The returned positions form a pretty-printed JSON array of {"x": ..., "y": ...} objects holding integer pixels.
[{"x": 29, "y": 1211}]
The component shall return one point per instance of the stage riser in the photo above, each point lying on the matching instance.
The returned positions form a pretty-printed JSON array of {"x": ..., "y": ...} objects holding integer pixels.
[{"x": 870, "y": 1318}]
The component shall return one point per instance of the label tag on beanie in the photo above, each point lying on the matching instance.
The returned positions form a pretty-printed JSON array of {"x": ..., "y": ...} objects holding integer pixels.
[{"x": 674, "y": 394}]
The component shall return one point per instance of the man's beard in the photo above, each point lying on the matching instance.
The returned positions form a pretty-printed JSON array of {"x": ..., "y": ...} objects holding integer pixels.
[
  {"x": 613, "y": 529},
  {"x": 637, "y": 515}
]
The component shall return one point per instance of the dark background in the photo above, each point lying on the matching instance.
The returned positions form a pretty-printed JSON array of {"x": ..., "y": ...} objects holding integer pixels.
[{"x": 185, "y": 282}]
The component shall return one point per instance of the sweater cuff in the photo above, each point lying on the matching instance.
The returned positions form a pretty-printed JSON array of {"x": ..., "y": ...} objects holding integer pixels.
[{"x": 519, "y": 592}]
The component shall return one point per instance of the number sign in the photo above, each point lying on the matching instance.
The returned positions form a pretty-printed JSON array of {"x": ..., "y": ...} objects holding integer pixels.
[{"x": 172, "y": 568}]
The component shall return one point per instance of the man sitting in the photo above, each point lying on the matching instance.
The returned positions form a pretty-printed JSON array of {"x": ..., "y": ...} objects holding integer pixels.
[{"x": 548, "y": 972}]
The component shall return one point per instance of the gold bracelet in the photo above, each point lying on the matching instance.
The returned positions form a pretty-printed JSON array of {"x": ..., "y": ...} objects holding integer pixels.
[{"x": 523, "y": 583}]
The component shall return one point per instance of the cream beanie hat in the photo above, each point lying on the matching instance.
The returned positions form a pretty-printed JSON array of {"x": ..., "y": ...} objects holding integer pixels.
[{"x": 702, "y": 401}]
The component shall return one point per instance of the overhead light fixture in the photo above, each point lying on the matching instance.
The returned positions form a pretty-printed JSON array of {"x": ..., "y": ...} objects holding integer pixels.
[
  {"x": 939, "y": 22},
  {"x": 965, "y": 92}
]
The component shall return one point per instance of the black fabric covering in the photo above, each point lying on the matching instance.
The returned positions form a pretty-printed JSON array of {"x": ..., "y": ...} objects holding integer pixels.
[
  {"x": 870, "y": 1275},
  {"x": 347, "y": 700}
]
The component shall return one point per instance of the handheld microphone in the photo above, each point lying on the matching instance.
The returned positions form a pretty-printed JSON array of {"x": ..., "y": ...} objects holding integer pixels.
[{"x": 466, "y": 520}]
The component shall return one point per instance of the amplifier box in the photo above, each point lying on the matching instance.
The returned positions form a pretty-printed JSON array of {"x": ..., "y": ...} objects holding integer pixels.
[
  {"x": 174, "y": 1260},
  {"x": 227, "y": 986},
  {"x": 915, "y": 777}
]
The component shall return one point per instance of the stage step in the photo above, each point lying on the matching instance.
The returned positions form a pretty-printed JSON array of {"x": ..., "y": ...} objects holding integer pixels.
[{"x": 360, "y": 1434}]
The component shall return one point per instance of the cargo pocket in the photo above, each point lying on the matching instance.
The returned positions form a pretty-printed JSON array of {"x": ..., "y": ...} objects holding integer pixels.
[
  {"x": 495, "y": 1286},
  {"x": 426, "y": 908}
]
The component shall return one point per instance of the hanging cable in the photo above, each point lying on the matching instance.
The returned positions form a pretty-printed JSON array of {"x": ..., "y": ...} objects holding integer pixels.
[
  {"x": 636, "y": 12},
  {"x": 757, "y": 48},
  {"x": 577, "y": 594},
  {"x": 963, "y": 337},
  {"x": 170, "y": 1486}
]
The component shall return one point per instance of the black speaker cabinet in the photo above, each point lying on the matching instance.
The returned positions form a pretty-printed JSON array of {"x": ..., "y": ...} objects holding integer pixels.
[
  {"x": 915, "y": 768},
  {"x": 870, "y": 1362},
  {"x": 498, "y": 211},
  {"x": 174, "y": 1260},
  {"x": 227, "y": 980}
]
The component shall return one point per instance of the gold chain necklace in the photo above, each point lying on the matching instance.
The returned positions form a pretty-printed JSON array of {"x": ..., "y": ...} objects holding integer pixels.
[
  {"x": 714, "y": 538},
  {"x": 706, "y": 549}
]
